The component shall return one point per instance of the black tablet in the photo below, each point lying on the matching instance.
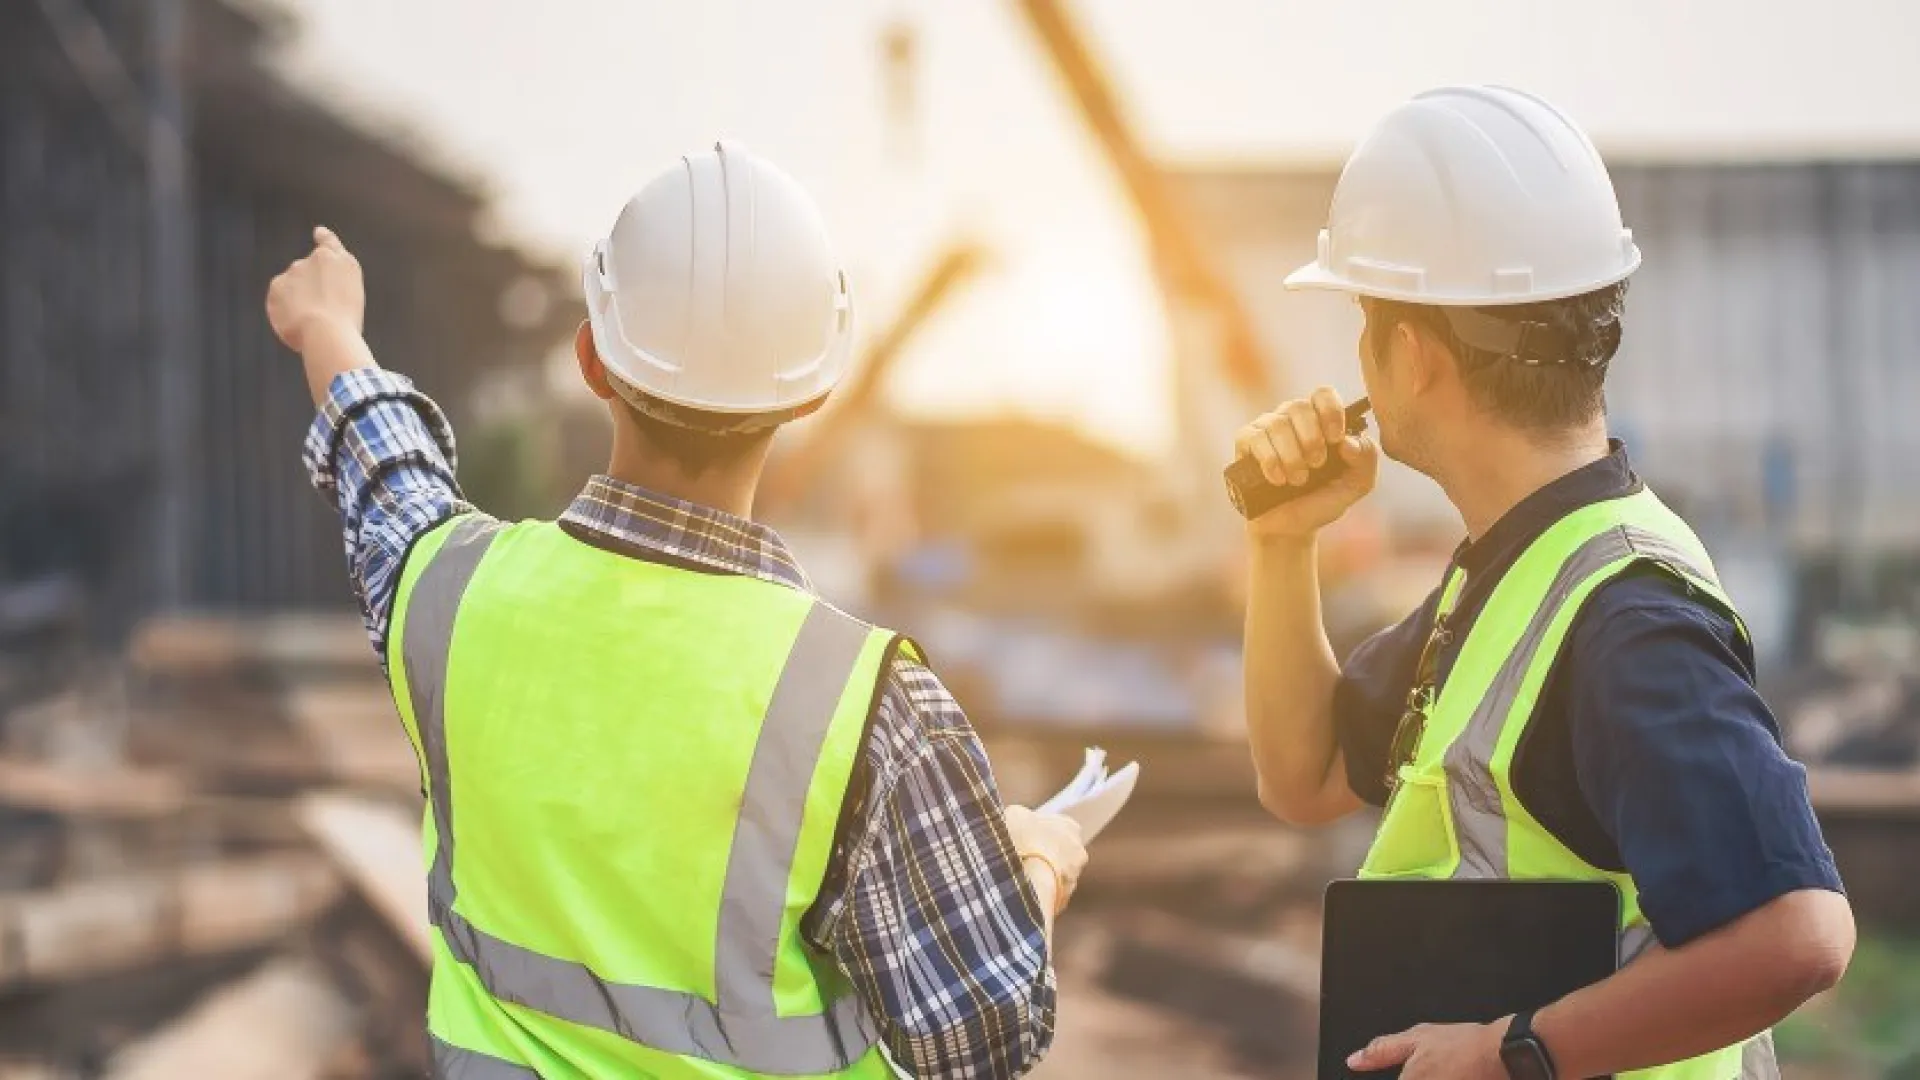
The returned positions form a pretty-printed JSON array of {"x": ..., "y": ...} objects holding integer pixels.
[{"x": 1399, "y": 953}]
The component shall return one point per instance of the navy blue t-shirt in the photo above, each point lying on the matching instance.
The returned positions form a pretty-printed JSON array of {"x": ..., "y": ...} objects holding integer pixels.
[{"x": 1650, "y": 750}]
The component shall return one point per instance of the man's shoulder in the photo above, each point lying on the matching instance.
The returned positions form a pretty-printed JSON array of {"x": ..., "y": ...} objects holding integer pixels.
[
  {"x": 917, "y": 703},
  {"x": 1654, "y": 594},
  {"x": 912, "y": 711},
  {"x": 1653, "y": 614}
]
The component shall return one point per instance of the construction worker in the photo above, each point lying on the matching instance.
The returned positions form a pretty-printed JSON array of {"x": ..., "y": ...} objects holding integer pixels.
[
  {"x": 685, "y": 818},
  {"x": 1576, "y": 699}
]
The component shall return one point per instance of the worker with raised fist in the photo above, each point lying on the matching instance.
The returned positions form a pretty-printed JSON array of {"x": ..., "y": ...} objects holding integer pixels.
[{"x": 685, "y": 818}]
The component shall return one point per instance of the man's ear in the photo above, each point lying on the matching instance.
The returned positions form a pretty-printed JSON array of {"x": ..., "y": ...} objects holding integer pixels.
[
  {"x": 591, "y": 369},
  {"x": 1427, "y": 358}
]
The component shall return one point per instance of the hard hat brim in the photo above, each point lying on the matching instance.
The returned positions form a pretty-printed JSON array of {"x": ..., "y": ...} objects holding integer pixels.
[{"x": 1313, "y": 277}]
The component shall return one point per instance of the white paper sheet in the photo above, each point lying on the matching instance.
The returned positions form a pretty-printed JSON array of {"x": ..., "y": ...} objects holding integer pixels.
[{"x": 1094, "y": 797}]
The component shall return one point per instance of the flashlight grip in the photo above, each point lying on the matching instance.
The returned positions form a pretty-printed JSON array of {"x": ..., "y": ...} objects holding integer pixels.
[{"x": 1252, "y": 494}]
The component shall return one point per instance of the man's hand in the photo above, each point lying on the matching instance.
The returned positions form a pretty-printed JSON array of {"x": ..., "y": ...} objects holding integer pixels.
[
  {"x": 316, "y": 307},
  {"x": 323, "y": 289},
  {"x": 1295, "y": 438},
  {"x": 1437, "y": 1052},
  {"x": 1051, "y": 838}
]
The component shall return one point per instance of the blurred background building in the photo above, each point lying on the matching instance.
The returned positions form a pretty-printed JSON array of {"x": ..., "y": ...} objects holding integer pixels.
[
  {"x": 148, "y": 417},
  {"x": 1067, "y": 224}
]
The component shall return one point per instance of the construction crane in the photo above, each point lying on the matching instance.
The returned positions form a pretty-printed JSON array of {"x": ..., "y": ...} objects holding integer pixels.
[
  {"x": 789, "y": 477},
  {"x": 1188, "y": 271}
]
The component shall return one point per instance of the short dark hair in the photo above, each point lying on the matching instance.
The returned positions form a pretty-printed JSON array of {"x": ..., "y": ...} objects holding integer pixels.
[
  {"x": 692, "y": 448},
  {"x": 1564, "y": 392}
]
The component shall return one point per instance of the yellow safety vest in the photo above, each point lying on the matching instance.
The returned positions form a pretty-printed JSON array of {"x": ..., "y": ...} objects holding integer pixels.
[
  {"x": 1453, "y": 813},
  {"x": 634, "y": 773}
]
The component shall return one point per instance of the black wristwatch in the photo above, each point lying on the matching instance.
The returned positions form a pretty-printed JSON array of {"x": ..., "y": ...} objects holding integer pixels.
[{"x": 1522, "y": 1052}]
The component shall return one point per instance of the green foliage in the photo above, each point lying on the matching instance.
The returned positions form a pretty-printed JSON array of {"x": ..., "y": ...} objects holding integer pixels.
[
  {"x": 505, "y": 467},
  {"x": 1870, "y": 1024}
]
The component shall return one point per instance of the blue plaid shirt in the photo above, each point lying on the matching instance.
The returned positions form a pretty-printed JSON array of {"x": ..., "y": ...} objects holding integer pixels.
[{"x": 925, "y": 907}]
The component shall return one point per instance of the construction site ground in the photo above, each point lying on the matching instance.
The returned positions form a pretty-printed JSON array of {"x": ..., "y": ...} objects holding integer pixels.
[{"x": 210, "y": 867}]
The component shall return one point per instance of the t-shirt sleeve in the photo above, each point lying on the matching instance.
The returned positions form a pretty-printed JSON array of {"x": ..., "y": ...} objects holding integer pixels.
[
  {"x": 1370, "y": 696},
  {"x": 1680, "y": 761}
]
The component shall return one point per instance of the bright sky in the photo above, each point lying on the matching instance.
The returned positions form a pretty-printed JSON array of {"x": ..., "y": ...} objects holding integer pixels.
[{"x": 565, "y": 106}]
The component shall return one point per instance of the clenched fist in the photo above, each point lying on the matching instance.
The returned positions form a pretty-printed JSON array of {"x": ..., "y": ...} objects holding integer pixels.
[
  {"x": 323, "y": 290},
  {"x": 1298, "y": 437}
]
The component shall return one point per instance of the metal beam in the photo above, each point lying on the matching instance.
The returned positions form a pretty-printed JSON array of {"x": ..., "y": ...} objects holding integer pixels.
[
  {"x": 88, "y": 48},
  {"x": 175, "y": 297},
  {"x": 154, "y": 121}
]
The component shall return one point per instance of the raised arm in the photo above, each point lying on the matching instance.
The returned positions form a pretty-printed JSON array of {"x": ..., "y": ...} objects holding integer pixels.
[
  {"x": 317, "y": 307},
  {"x": 1290, "y": 670},
  {"x": 379, "y": 450}
]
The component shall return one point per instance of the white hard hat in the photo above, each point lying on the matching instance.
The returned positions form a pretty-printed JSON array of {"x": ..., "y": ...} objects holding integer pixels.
[
  {"x": 718, "y": 292},
  {"x": 1472, "y": 195}
]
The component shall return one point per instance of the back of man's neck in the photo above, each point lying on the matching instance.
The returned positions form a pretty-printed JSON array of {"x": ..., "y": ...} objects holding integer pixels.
[
  {"x": 728, "y": 488},
  {"x": 1501, "y": 467}
]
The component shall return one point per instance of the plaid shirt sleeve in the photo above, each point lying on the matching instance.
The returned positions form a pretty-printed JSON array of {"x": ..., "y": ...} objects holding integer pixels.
[
  {"x": 383, "y": 453},
  {"x": 934, "y": 921}
]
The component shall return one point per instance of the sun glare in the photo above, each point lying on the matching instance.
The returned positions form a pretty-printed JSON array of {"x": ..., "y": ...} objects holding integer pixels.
[{"x": 1074, "y": 334}]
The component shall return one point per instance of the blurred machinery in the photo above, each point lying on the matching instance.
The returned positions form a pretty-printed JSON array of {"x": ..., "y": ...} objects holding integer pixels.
[
  {"x": 1133, "y": 567},
  {"x": 799, "y": 468}
]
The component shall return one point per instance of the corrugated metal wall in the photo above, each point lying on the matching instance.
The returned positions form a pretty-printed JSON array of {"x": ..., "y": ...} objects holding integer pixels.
[
  {"x": 1771, "y": 365},
  {"x": 74, "y": 426},
  {"x": 76, "y": 367},
  {"x": 1772, "y": 356}
]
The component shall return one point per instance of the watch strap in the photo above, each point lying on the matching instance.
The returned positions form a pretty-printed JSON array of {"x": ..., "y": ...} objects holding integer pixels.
[{"x": 1520, "y": 1032}]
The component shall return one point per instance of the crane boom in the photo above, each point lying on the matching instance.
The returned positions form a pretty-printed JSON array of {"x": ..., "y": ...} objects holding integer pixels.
[
  {"x": 1187, "y": 267},
  {"x": 792, "y": 475}
]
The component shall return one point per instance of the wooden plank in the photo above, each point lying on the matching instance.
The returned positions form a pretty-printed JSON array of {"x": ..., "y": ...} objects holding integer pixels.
[
  {"x": 1274, "y": 962},
  {"x": 357, "y": 731},
  {"x": 1101, "y": 1034},
  {"x": 1233, "y": 851},
  {"x": 113, "y": 792},
  {"x": 283, "y": 1022},
  {"x": 198, "y": 645},
  {"x": 1849, "y": 791},
  {"x": 377, "y": 846},
  {"x": 111, "y": 924}
]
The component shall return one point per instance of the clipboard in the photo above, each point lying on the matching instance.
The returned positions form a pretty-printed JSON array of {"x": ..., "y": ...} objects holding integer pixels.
[{"x": 1403, "y": 952}]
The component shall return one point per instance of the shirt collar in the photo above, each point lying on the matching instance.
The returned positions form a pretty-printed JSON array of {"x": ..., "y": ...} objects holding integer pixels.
[
  {"x": 631, "y": 517},
  {"x": 1611, "y": 477}
]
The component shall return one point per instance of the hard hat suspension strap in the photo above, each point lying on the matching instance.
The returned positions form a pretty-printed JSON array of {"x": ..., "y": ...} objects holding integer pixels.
[
  {"x": 707, "y": 421},
  {"x": 1527, "y": 341}
]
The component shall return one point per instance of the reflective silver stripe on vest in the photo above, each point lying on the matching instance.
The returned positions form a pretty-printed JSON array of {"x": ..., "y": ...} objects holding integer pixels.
[
  {"x": 1758, "y": 1060},
  {"x": 741, "y": 1029},
  {"x": 1479, "y": 820},
  {"x": 1635, "y": 940},
  {"x": 452, "y": 1062}
]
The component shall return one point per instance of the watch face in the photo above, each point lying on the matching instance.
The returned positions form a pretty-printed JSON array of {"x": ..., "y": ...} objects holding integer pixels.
[{"x": 1525, "y": 1059}]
